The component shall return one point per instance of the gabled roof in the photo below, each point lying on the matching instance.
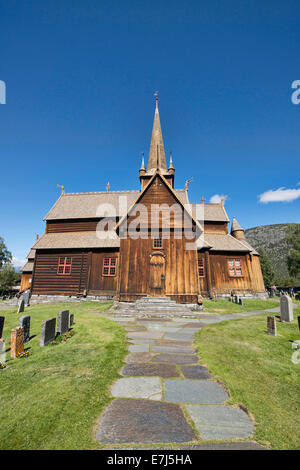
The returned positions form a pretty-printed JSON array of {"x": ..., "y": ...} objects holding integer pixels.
[
  {"x": 221, "y": 242},
  {"x": 76, "y": 240},
  {"x": 212, "y": 212},
  {"x": 169, "y": 187},
  {"x": 27, "y": 268},
  {"x": 85, "y": 205}
]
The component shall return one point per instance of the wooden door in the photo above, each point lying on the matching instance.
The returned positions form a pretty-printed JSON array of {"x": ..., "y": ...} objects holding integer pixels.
[{"x": 157, "y": 275}]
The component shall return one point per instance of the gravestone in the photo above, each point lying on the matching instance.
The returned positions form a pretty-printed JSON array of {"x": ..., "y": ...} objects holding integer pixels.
[
  {"x": 62, "y": 322},
  {"x": 240, "y": 301},
  {"x": 26, "y": 295},
  {"x": 25, "y": 323},
  {"x": 17, "y": 342},
  {"x": 299, "y": 322},
  {"x": 286, "y": 308},
  {"x": 2, "y": 351},
  {"x": 48, "y": 331},
  {"x": 237, "y": 299},
  {"x": 1, "y": 325},
  {"x": 272, "y": 327},
  {"x": 21, "y": 306},
  {"x": 297, "y": 296},
  {"x": 71, "y": 319}
]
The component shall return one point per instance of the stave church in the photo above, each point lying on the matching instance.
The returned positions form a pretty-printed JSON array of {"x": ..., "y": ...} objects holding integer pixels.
[{"x": 150, "y": 242}]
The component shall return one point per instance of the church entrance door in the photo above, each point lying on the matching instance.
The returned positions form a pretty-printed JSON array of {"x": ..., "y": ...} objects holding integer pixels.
[{"x": 157, "y": 275}]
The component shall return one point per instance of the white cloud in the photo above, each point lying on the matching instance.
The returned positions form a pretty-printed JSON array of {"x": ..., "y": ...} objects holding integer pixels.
[
  {"x": 18, "y": 263},
  {"x": 216, "y": 198},
  {"x": 279, "y": 195}
]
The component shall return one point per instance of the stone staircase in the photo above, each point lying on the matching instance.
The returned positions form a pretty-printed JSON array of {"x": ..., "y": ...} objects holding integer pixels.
[{"x": 153, "y": 306}]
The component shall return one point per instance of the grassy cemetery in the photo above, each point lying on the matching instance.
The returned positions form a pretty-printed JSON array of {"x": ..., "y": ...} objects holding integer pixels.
[
  {"x": 52, "y": 398},
  {"x": 52, "y": 395}
]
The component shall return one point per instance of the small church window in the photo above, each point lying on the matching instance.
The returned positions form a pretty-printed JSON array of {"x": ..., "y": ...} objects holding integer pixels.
[
  {"x": 235, "y": 267},
  {"x": 157, "y": 242},
  {"x": 201, "y": 267},
  {"x": 64, "y": 265},
  {"x": 109, "y": 266}
]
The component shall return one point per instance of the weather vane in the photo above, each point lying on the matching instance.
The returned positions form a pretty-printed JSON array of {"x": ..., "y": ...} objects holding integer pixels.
[
  {"x": 156, "y": 97},
  {"x": 62, "y": 188},
  {"x": 108, "y": 187}
]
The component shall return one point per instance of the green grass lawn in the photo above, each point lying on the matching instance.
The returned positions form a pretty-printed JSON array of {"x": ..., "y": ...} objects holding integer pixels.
[
  {"x": 52, "y": 399},
  {"x": 224, "y": 306},
  {"x": 257, "y": 370}
]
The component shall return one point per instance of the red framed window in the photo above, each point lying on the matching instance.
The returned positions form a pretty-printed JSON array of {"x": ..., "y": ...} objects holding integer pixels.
[
  {"x": 201, "y": 266},
  {"x": 109, "y": 267},
  {"x": 157, "y": 242},
  {"x": 64, "y": 265},
  {"x": 234, "y": 267}
]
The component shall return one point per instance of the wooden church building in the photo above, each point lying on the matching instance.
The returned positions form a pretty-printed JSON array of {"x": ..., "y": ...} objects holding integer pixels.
[{"x": 149, "y": 242}]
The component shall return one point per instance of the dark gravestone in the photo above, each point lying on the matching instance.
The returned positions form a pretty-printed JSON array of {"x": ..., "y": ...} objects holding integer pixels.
[
  {"x": 1, "y": 325},
  {"x": 63, "y": 322},
  {"x": 25, "y": 297},
  {"x": 240, "y": 301},
  {"x": 25, "y": 323},
  {"x": 48, "y": 331},
  {"x": 71, "y": 319},
  {"x": 21, "y": 306},
  {"x": 272, "y": 327},
  {"x": 299, "y": 322}
]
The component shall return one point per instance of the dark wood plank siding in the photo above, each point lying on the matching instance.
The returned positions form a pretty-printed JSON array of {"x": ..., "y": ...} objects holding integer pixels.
[
  {"x": 47, "y": 281},
  {"x": 99, "y": 284}
]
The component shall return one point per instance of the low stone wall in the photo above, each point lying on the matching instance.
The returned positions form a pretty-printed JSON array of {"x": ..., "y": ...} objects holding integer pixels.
[
  {"x": 42, "y": 299},
  {"x": 258, "y": 295}
]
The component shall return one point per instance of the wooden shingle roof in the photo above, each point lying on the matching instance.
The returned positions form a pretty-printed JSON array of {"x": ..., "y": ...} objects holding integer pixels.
[
  {"x": 85, "y": 205},
  {"x": 76, "y": 240},
  {"x": 221, "y": 242}
]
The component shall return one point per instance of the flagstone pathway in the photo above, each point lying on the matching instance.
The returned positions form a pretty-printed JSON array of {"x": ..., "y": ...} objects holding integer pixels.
[{"x": 166, "y": 396}]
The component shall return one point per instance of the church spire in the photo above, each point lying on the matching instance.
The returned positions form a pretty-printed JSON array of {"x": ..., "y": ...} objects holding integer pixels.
[{"x": 157, "y": 157}]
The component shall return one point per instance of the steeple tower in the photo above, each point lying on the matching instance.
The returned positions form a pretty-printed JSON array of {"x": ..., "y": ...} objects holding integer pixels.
[{"x": 157, "y": 159}]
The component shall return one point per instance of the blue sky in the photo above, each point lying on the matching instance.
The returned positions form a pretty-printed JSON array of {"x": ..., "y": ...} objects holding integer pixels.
[{"x": 80, "y": 78}]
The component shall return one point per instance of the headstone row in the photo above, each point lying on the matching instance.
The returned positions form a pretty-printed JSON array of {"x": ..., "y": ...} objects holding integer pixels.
[{"x": 50, "y": 329}]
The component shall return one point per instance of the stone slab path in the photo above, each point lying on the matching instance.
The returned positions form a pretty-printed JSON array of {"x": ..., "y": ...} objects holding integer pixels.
[{"x": 166, "y": 397}]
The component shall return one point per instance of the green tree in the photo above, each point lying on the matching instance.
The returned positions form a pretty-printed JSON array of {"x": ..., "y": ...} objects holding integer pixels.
[
  {"x": 293, "y": 239},
  {"x": 266, "y": 268},
  {"x": 5, "y": 255},
  {"x": 7, "y": 277}
]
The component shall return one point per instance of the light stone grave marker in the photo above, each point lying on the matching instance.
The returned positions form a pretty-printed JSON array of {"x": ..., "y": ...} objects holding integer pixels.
[
  {"x": 2, "y": 351},
  {"x": 48, "y": 331},
  {"x": 286, "y": 308},
  {"x": 71, "y": 319}
]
